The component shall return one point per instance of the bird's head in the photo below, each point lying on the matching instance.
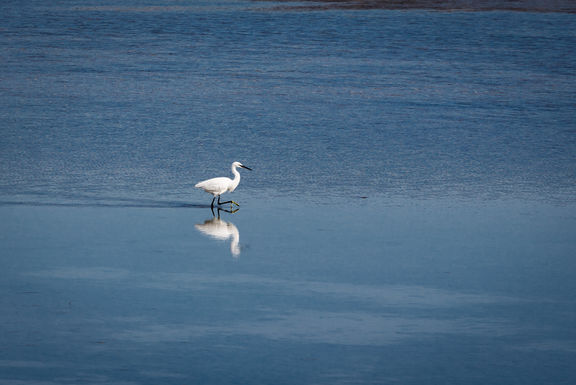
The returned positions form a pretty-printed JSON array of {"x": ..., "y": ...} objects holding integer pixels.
[{"x": 238, "y": 164}]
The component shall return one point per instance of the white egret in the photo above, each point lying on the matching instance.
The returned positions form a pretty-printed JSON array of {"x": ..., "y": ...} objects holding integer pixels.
[{"x": 218, "y": 186}]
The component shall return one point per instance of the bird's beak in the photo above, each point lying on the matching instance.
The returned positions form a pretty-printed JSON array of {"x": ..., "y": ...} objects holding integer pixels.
[{"x": 247, "y": 168}]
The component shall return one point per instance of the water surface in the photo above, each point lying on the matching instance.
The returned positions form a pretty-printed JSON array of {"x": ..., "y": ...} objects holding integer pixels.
[{"x": 410, "y": 218}]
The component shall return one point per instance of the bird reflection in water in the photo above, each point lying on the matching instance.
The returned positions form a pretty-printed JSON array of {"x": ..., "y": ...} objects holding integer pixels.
[{"x": 221, "y": 230}]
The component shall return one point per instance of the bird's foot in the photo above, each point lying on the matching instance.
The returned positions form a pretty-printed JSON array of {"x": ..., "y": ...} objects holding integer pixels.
[{"x": 232, "y": 202}]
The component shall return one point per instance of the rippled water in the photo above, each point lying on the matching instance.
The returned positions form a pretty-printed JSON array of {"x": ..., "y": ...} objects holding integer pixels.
[
  {"x": 146, "y": 100},
  {"x": 410, "y": 217}
]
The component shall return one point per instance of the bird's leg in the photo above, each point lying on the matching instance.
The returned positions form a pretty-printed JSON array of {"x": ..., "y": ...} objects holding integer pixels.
[
  {"x": 212, "y": 204},
  {"x": 231, "y": 202},
  {"x": 223, "y": 203}
]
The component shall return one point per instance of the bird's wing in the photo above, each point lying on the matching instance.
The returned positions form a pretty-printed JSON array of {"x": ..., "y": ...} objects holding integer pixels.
[{"x": 214, "y": 184}]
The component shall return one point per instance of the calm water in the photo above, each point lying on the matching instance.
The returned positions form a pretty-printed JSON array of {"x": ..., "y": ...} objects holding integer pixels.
[{"x": 411, "y": 216}]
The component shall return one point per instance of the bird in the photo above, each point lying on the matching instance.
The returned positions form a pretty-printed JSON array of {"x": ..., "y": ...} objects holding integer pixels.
[{"x": 218, "y": 186}]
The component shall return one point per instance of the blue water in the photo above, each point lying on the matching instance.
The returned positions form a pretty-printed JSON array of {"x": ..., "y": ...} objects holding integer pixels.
[{"x": 410, "y": 217}]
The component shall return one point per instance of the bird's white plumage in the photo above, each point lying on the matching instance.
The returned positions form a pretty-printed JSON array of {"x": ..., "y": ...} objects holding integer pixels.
[
  {"x": 216, "y": 186},
  {"x": 220, "y": 185}
]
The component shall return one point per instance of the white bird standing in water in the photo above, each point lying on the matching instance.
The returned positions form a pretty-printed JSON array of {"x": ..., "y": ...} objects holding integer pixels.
[{"x": 218, "y": 186}]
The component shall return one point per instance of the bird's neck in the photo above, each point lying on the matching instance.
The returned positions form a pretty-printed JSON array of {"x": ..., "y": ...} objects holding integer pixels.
[{"x": 236, "y": 179}]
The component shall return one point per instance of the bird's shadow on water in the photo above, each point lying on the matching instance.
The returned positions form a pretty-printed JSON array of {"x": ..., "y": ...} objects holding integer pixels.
[{"x": 109, "y": 203}]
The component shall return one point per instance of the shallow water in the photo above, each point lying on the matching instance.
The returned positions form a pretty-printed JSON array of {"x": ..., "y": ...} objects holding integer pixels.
[
  {"x": 351, "y": 292},
  {"x": 410, "y": 217}
]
